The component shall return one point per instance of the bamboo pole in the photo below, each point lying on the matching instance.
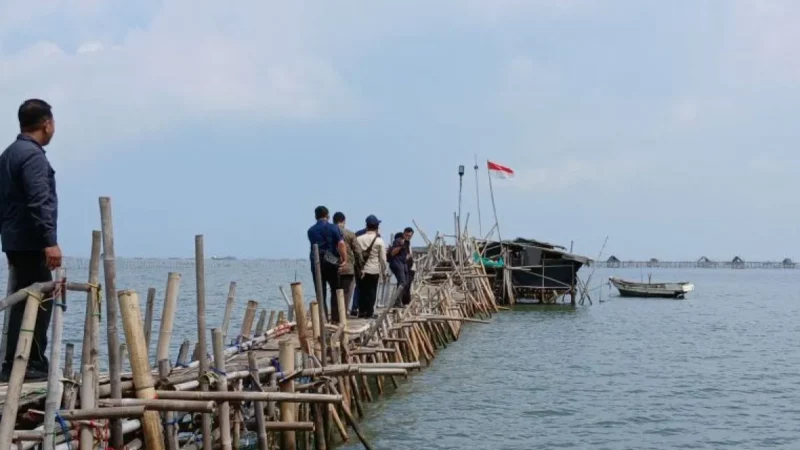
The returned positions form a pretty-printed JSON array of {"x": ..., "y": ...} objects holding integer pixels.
[
  {"x": 315, "y": 327},
  {"x": 168, "y": 315},
  {"x": 271, "y": 320},
  {"x": 140, "y": 366},
  {"x": 323, "y": 311},
  {"x": 258, "y": 406},
  {"x": 289, "y": 305},
  {"x": 183, "y": 353},
  {"x": 10, "y": 285},
  {"x": 286, "y": 357},
  {"x": 170, "y": 435},
  {"x": 262, "y": 321},
  {"x": 302, "y": 326},
  {"x": 18, "y": 369},
  {"x": 224, "y": 408},
  {"x": 91, "y": 339},
  {"x": 247, "y": 322},
  {"x": 54, "y": 386},
  {"x": 226, "y": 318},
  {"x": 148, "y": 316},
  {"x": 201, "y": 332},
  {"x": 110, "y": 272}
]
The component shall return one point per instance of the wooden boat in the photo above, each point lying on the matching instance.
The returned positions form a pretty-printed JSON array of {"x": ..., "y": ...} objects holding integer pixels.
[{"x": 660, "y": 290}]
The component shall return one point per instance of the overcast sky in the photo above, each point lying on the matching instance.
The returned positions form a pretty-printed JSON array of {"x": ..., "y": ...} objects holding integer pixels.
[{"x": 671, "y": 127}]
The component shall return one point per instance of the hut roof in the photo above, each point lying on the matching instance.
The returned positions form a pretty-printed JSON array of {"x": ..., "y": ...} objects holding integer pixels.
[
  {"x": 737, "y": 259},
  {"x": 653, "y": 260},
  {"x": 788, "y": 261},
  {"x": 613, "y": 259},
  {"x": 703, "y": 259}
]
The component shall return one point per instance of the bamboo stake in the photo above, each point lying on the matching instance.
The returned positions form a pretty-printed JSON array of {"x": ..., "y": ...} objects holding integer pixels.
[
  {"x": 54, "y": 387},
  {"x": 262, "y": 321},
  {"x": 183, "y": 353},
  {"x": 302, "y": 326},
  {"x": 170, "y": 436},
  {"x": 14, "y": 389},
  {"x": 271, "y": 321},
  {"x": 91, "y": 339},
  {"x": 148, "y": 316},
  {"x": 224, "y": 408},
  {"x": 10, "y": 285},
  {"x": 110, "y": 272},
  {"x": 316, "y": 328},
  {"x": 140, "y": 366},
  {"x": 322, "y": 311},
  {"x": 199, "y": 262},
  {"x": 247, "y": 322},
  {"x": 286, "y": 357},
  {"x": 289, "y": 305},
  {"x": 226, "y": 319},
  {"x": 258, "y": 406},
  {"x": 168, "y": 316}
]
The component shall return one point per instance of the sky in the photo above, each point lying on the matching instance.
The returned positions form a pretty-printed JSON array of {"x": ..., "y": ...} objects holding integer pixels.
[{"x": 668, "y": 127}]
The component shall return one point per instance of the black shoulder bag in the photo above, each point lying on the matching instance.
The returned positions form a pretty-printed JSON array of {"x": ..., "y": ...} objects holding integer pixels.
[{"x": 359, "y": 263}]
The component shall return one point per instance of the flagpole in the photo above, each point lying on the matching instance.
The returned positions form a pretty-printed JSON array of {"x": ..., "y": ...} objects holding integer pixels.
[
  {"x": 478, "y": 198},
  {"x": 494, "y": 207}
]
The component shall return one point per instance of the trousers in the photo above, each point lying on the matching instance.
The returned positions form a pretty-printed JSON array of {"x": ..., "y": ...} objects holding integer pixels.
[
  {"x": 368, "y": 292},
  {"x": 28, "y": 268},
  {"x": 330, "y": 278}
]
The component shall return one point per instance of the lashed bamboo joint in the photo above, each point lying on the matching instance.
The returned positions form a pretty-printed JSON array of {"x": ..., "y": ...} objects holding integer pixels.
[{"x": 296, "y": 383}]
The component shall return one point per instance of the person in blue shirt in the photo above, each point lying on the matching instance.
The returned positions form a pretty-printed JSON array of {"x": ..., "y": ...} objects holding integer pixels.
[{"x": 332, "y": 256}]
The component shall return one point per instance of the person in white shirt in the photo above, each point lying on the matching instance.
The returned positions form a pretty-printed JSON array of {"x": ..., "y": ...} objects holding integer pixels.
[{"x": 373, "y": 263}]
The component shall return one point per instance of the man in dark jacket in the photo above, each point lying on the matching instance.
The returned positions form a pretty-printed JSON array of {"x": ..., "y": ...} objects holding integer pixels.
[
  {"x": 332, "y": 256},
  {"x": 28, "y": 217}
]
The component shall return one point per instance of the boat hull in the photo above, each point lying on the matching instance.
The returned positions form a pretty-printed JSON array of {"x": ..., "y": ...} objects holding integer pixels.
[{"x": 651, "y": 290}]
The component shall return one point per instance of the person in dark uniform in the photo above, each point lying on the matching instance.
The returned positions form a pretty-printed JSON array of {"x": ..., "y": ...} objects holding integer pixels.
[
  {"x": 408, "y": 233},
  {"x": 28, "y": 217},
  {"x": 397, "y": 258},
  {"x": 332, "y": 256}
]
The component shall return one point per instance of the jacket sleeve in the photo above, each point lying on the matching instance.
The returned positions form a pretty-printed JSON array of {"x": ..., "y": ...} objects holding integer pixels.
[{"x": 35, "y": 172}]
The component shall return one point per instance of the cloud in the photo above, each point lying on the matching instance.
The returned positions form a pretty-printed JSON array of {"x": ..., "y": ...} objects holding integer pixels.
[
  {"x": 194, "y": 60},
  {"x": 765, "y": 42}
]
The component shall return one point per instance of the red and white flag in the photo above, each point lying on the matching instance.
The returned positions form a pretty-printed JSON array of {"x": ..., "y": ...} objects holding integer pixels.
[{"x": 500, "y": 171}]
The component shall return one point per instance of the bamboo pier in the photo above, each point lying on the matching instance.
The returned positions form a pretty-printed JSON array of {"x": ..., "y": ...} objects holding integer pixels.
[{"x": 296, "y": 381}]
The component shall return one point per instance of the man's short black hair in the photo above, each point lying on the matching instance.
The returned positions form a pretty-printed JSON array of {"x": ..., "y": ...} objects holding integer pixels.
[
  {"x": 408, "y": 230},
  {"x": 320, "y": 212},
  {"x": 338, "y": 217},
  {"x": 33, "y": 113},
  {"x": 398, "y": 236},
  {"x": 372, "y": 227}
]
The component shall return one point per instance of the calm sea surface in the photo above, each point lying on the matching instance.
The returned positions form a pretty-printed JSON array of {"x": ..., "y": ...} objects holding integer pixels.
[{"x": 718, "y": 370}]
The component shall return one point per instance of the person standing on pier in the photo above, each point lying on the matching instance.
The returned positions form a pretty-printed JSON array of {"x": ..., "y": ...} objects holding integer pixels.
[
  {"x": 332, "y": 256},
  {"x": 408, "y": 233},
  {"x": 398, "y": 263},
  {"x": 28, "y": 217},
  {"x": 347, "y": 278},
  {"x": 354, "y": 303},
  {"x": 373, "y": 251}
]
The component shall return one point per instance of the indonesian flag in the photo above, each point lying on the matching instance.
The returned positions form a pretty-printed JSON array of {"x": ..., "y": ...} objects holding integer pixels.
[{"x": 500, "y": 171}]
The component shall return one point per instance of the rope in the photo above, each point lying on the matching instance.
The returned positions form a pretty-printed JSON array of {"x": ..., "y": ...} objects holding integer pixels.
[
  {"x": 64, "y": 430},
  {"x": 218, "y": 372}
]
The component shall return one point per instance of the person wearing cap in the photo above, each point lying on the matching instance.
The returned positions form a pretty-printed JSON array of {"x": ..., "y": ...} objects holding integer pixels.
[
  {"x": 373, "y": 251},
  {"x": 28, "y": 217},
  {"x": 354, "y": 302},
  {"x": 332, "y": 256}
]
